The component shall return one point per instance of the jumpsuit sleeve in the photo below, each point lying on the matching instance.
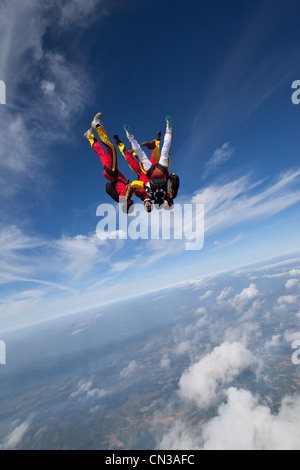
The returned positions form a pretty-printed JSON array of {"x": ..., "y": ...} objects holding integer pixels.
[{"x": 134, "y": 186}]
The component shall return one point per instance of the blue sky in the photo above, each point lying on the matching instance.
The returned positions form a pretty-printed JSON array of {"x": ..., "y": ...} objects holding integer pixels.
[{"x": 222, "y": 70}]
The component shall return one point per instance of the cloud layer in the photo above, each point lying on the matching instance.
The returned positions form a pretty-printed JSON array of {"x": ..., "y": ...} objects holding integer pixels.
[{"x": 229, "y": 338}]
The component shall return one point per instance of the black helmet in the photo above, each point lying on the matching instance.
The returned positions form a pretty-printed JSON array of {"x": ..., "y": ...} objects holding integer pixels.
[
  {"x": 158, "y": 187},
  {"x": 159, "y": 196}
]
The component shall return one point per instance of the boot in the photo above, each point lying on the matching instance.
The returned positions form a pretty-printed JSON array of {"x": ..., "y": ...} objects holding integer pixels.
[
  {"x": 88, "y": 133},
  {"x": 127, "y": 130},
  {"x": 117, "y": 139},
  {"x": 96, "y": 121},
  {"x": 169, "y": 122},
  {"x": 149, "y": 144}
]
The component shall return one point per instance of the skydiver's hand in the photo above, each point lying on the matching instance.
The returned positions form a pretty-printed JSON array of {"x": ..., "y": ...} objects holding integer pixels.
[
  {"x": 127, "y": 206},
  {"x": 168, "y": 204}
]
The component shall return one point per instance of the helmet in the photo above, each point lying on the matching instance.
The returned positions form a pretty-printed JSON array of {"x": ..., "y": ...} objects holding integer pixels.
[
  {"x": 159, "y": 196},
  {"x": 158, "y": 188}
]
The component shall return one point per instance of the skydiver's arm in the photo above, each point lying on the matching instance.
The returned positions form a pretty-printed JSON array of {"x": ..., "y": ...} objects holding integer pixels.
[{"x": 134, "y": 186}]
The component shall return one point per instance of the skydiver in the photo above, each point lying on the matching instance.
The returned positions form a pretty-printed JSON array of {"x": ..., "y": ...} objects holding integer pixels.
[
  {"x": 134, "y": 163},
  {"x": 157, "y": 172},
  {"x": 118, "y": 184}
]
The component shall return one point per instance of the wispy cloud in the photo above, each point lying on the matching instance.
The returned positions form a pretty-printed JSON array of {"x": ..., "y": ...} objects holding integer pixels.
[
  {"x": 129, "y": 370},
  {"x": 31, "y": 258},
  {"x": 228, "y": 204},
  {"x": 14, "y": 438},
  {"x": 82, "y": 12},
  {"x": 220, "y": 156},
  {"x": 45, "y": 89},
  {"x": 218, "y": 245},
  {"x": 85, "y": 389},
  {"x": 283, "y": 268}
]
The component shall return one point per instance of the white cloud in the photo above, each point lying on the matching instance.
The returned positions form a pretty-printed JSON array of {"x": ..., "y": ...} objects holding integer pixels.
[
  {"x": 26, "y": 257},
  {"x": 60, "y": 266},
  {"x": 219, "y": 245},
  {"x": 278, "y": 265},
  {"x": 15, "y": 245},
  {"x": 165, "y": 362},
  {"x": 200, "y": 311},
  {"x": 287, "y": 299},
  {"x": 85, "y": 389},
  {"x": 247, "y": 294},
  {"x": 224, "y": 293},
  {"x": 179, "y": 437},
  {"x": 243, "y": 331},
  {"x": 294, "y": 272},
  {"x": 82, "y": 12},
  {"x": 64, "y": 94},
  {"x": 129, "y": 370},
  {"x": 273, "y": 342},
  {"x": 290, "y": 336},
  {"x": 15, "y": 437},
  {"x": 202, "y": 380},
  {"x": 206, "y": 295},
  {"x": 120, "y": 266},
  {"x": 56, "y": 88},
  {"x": 184, "y": 347},
  {"x": 228, "y": 204},
  {"x": 242, "y": 423},
  {"x": 220, "y": 156},
  {"x": 245, "y": 424},
  {"x": 78, "y": 255},
  {"x": 291, "y": 283}
]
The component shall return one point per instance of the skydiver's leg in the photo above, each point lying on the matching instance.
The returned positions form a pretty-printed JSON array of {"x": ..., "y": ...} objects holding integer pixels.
[
  {"x": 154, "y": 146},
  {"x": 138, "y": 149},
  {"x": 155, "y": 150},
  {"x": 133, "y": 163},
  {"x": 104, "y": 157},
  {"x": 109, "y": 158},
  {"x": 165, "y": 151},
  {"x": 112, "y": 163}
]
